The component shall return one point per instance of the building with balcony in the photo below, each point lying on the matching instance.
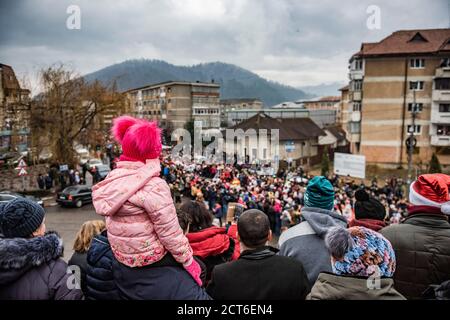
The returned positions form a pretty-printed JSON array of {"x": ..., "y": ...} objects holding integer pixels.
[
  {"x": 174, "y": 103},
  {"x": 406, "y": 71},
  {"x": 14, "y": 112}
]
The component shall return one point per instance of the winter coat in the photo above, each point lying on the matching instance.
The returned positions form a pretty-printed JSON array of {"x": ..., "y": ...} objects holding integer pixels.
[
  {"x": 32, "y": 269},
  {"x": 162, "y": 280},
  {"x": 79, "y": 260},
  {"x": 422, "y": 248},
  {"x": 333, "y": 287},
  {"x": 140, "y": 215},
  {"x": 259, "y": 274},
  {"x": 213, "y": 246},
  {"x": 305, "y": 241},
  {"x": 100, "y": 283}
]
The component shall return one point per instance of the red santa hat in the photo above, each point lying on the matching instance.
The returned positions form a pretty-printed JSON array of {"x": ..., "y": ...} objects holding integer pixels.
[{"x": 431, "y": 190}]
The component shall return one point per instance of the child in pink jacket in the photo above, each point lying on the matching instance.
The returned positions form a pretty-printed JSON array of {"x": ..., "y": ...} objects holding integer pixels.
[{"x": 140, "y": 215}]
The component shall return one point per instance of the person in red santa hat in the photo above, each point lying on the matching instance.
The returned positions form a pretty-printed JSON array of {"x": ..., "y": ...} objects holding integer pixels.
[{"x": 422, "y": 241}]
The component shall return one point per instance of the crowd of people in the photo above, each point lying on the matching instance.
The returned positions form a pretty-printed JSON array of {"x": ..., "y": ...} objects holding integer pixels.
[{"x": 172, "y": 231}]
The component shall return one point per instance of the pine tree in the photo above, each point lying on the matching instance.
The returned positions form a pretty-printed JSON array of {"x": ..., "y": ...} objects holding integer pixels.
[
  {"x": 325, "y": 163},
  {"x": 435, "y": 166}
]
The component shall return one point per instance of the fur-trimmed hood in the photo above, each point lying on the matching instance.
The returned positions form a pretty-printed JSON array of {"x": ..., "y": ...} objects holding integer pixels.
[{"x": 18, "y": 255}]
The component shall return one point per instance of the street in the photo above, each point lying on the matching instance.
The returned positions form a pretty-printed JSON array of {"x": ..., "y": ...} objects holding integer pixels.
[{"x": 67, "y": 222}]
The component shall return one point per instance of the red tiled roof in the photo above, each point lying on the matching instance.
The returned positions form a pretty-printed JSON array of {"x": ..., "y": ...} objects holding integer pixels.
[{"x": 401, "y": 42}]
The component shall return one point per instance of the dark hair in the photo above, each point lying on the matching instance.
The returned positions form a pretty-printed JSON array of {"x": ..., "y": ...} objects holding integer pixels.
[
  {"x": 184, "y": 219},
  {"x": 199, "y": 215},
  {"x": 253, "y": 228}
]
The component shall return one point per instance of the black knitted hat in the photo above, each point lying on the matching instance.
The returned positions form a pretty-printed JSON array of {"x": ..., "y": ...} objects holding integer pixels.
[
  {"x": 367, "y": 207},
  {"x": 20, "y": 217}
]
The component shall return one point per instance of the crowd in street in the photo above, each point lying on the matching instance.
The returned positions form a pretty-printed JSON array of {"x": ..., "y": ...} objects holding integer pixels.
[{"x": 200, "y": 232}]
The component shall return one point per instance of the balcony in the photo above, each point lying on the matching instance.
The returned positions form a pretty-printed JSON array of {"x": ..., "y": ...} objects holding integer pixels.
[
  {"x": 440, "y": 141},
  {"x": 355, "y": 116},
  {"x": 441, "y": 95},
  {"x": 355, "y": 96},
  {"x": 439, "y": 117},
  {"x": 356, "y": 74},
  {"x": 443, "y": 72}
]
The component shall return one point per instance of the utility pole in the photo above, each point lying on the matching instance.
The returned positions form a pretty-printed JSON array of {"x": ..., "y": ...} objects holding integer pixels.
[{"x": 411, "y": 137}]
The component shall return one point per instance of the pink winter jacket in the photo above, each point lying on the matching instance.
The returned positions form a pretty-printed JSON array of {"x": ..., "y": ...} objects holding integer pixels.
[{"x": 140, "y": 215}]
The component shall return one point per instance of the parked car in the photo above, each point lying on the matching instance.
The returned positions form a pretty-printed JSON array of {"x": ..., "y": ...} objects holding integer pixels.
[
  {"x": 93, "y": 163},
  {"x": 74, "y": 196},
  {"x": 6, "y": 196},
  {"x": 103, "y": 171}
]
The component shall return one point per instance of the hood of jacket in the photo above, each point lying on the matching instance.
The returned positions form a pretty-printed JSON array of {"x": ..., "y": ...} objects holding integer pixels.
[
  {"x": 259, "y": 253},
  {"x": 209, "y": 242},
  {"x": 109, "y": 195},
  {"x": 18, "y": 255},
  {"x": 321, "y": 220},
  {"x": 99, "y": 247},
  {"x": 333, "y": 287}
]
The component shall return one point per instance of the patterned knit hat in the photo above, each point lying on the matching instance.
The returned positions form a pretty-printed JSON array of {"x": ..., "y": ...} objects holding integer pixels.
[
  {"x": 20, "y": 217},
  {"x": 319, "y": 193},
  {"x": 359, "y": 251},
  {"x": 431, "y": 190}
]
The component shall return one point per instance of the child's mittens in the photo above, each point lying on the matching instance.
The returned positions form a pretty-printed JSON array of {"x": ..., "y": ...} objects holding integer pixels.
[{"x": 194, "y": 270}]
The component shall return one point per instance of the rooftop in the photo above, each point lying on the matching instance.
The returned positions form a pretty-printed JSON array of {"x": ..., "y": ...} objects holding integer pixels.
[
  {"x": 166, "y": 83},
  {"x": 290, "y": 128},
  {"x": 408, "y": 42}
]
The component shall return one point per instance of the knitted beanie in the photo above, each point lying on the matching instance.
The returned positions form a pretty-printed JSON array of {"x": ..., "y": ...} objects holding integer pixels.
[
  {"x": 359, "y": 251},
  {"x": 367, "y": 207},
  {"x": 319, "y": 193},
  {"x": 140, "y": 139},
  {"x": 20, "y": 217}
]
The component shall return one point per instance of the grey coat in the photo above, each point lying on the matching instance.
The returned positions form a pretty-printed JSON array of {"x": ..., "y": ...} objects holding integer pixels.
[{"x": 305, "y": 241}]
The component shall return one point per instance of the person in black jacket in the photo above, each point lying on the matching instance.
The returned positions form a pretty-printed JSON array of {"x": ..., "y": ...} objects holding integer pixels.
[
  {"x": 31, "y": 267},
  {"x": 83, "y": 240},
  {"x": 100, "y": 283},
  {"x": 259, "y": 273}
]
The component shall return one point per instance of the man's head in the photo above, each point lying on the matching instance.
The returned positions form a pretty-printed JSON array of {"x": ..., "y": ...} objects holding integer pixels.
[{"x": 254, "y": 228}]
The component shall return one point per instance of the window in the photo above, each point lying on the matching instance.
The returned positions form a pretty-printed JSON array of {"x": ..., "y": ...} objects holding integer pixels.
[
  {"x": 358, "y": 64},
  {"x": 444, "y": 107},
  {"x": 417, "y": 63},
  {"x": 357, "y": 85},
  {"x": 443, "y": 130},
  {"x": 417, "y": 129},
  {"x": 416, "y": 85},
  {"x": 418, "y": 107},
  {"x": 442, "y": 84},
  {"x": 445, "y": 63},
  {"x": 356, "y": 106}
]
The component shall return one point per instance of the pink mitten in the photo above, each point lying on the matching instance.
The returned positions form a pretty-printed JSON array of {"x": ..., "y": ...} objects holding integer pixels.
[{"x": 194, "y": 270}]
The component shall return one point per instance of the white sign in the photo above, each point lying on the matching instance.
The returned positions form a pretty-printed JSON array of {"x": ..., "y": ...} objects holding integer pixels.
[
  {"x": 22, "y": 172},
  {"x": 350, "y": 165},
  {"x": 22, "y": 164},
  {"x": 64, "y": 167}
]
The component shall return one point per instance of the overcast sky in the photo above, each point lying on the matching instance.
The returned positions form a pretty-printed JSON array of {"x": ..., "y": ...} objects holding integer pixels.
[{"x": 295, "y": 42}]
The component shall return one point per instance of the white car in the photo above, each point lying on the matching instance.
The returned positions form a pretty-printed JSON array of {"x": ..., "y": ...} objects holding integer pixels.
[{"x": 93, "y": 163}]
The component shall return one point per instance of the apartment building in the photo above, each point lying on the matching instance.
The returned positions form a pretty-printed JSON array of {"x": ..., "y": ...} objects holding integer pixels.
[
  {"x": 174, "y": 103},
  {"x": 14, "y": 112},
  {"x": 407, "y": 71}
]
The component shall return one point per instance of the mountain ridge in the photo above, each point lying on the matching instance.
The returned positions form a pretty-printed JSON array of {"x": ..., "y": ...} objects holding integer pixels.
[{"x": 236, "y": 82}]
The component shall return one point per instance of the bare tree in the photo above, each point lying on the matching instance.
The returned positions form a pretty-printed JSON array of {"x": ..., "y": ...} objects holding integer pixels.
[{"x": 69, "y": 108}]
